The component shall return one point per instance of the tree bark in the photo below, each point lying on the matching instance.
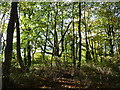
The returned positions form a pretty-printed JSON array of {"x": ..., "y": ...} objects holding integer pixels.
[
  {"x": 88, "y": 55},
  {"x": 73, "y": 40},
  {"x": 80, "y": 37},
  {"x": 46, "y": 38},
  {"x": 56, "y": 44},
  {"x": 1, "y": 35},
  {"x": 18, "y": 43},
  {"x": 25, "y": 57},
  {"x": 110, "y": 39},
  {"x": 29, "y": 54},
  {"x": 8, "y": 48}
]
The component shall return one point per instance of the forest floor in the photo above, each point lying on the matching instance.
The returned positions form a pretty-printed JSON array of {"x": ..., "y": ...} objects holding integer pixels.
[{"x": 89, "y": 76}]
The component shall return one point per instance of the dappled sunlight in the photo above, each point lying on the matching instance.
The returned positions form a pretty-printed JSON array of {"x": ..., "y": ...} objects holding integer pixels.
[
  {"x": 60, "y": 45},
  {"x": 61, "y": 79}
]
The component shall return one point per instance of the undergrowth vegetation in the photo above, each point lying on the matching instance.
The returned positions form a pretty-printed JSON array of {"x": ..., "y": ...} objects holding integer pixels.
[
  {"x": 56, "y": 45},
  {"x": 89, "y": 76}
]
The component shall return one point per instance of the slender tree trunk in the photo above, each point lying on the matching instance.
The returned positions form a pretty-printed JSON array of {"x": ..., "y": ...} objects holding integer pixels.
[
  {"x": 35, "y": 48},
  {"x": 25, "y": 56},
  {"x": 53, "y": 47},
  {"x": 80, "y": 37},
  {"x": 112, "y": 41},
  {"x": 96, "y": 55},
  {"x": 55, "y": 35},
  {"x": 76, "y": 45},
  {"x": 56, "y": 44},
  {"x": 62, "y": 39},
  {"x": 18, "y": 43},
  {"x": 92, "y": 50},
  {"x": 3, "y": 47},
  {"x": 46, "y": 38},
  {"x": 93, "y": 54},
  {"x": 51, "y": 61},
  {"x": 8, "y": 48},
  {"x": 110, "y": 33},
  {"x": 100, "y": 51},
  {"x": 1, "y": 35},
  {"x": 105, "y": 54},
  {"x": 88, "y": 55},
  {"x": 66, "y": 60},
  {"x": 29, "y": 54},
  {"x": 73, "y": 40}
]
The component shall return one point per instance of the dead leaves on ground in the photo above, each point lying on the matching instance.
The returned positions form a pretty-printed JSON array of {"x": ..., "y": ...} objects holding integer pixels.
[{"x": 64, "y": 79}]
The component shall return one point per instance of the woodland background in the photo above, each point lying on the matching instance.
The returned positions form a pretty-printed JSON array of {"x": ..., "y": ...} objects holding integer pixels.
[{"x": 60, "y": 44}]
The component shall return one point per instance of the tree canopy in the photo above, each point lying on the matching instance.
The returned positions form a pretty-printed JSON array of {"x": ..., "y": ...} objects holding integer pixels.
[{"x": 59, "y": 36}]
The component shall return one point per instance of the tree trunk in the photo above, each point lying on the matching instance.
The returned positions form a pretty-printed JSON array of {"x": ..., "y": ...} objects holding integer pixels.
[
  {"x": 1, "y": 35},
  {"x": 110, "y": 33},
  {"x": 62, "y": 39},
  {"x": 25, "y": 57},
  {"x": 46, "y": 38},
  {"x": 80, "y": 38},
  {"x": 56, "y": 44},
  {"x": 105, "y": 54},
  {"x": 88, "y": 55},
  {"x": 18, "y": 43},
  {"x": 112, "y": 41},
  {"x": 93, "y": 54},
  {"x": 8, "y": 48},
  {"x": 29, "y": 54},
  {"x": 73, "y": 40}
]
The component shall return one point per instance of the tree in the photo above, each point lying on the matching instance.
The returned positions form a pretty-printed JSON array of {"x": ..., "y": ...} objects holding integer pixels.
[
  {"x": 80, "y": 38},
  {"x": 8, "y": 48},
  {"x": 73, "y": 40},
  {"x": 88, "y": 55},
  {"x": 18, "y": 43}
]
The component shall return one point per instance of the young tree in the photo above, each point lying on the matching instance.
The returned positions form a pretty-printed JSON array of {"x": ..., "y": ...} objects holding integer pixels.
[
  {"x": 80, "y": 37},
  {"x": 73, "y": 39},
  {"x": 88, "y": 55}
]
